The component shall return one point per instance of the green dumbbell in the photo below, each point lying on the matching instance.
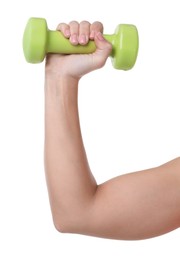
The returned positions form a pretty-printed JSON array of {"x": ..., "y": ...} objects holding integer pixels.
[{"x": 39, "y": 40}]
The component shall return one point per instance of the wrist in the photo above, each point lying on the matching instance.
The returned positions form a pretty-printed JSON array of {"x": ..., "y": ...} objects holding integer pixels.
[
  {"x": 57, "y": 82},
  {"x": 58, "y": 71},
  {"x": 60, "y": 92},
  {"x": 60, "y": 76}
]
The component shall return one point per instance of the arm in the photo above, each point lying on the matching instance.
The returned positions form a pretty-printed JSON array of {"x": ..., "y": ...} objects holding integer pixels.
[
  {"x": 70, "y": 182},
  {"x": 131, "y": 206}
]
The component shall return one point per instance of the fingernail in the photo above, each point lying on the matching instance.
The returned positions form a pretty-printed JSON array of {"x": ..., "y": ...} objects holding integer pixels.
[
  {"x": 100, "y": 36},
  {"x": 92, "y": 34},
  {"x": 87, "y": 38},
  {"x": 67, "y": 33},
  {"x": 82, "y": 39},
  {"x": 74, "y": 39}
]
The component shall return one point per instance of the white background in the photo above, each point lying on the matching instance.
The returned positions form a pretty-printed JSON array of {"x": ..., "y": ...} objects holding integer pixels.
[{"x": 130, "y": 121}]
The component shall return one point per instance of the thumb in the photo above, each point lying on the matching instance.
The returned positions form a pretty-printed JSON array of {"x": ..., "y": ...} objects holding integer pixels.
[{"x": 103, "y": 50}]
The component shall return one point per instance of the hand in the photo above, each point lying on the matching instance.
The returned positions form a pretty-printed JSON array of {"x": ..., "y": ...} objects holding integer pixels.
[{"x": 77, "y": 65}]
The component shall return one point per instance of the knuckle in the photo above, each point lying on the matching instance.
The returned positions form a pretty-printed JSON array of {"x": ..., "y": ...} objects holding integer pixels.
[
  {"x": 59, "y": 26},
  {"x": 73, "y": 23},
  {"x": 62, "y": 26},
  {"x": 74, "y": 27},
  {"x": 98, "y": 25},
  {"x": 84, "y": 27},
  {"x": 84, "y": 23}
]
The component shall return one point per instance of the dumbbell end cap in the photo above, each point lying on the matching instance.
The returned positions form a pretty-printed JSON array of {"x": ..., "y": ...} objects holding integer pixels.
[
  {"x": 126, "y": 47},
  {"x": 34, "y": 40}
]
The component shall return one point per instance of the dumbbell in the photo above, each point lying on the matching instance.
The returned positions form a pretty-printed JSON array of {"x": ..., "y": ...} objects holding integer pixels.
[{"x": 39, "y": 40}]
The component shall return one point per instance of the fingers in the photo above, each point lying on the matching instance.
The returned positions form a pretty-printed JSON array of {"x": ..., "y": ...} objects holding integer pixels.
[
  {"x": 65, "y": 29},
  {"x": 103, "y": 50},
  {"x": 74, "y": 31},
  {"x": 80, "y": 33},
  {"x": 95, "y": 28},
  {"x": 84, "y": 32}
]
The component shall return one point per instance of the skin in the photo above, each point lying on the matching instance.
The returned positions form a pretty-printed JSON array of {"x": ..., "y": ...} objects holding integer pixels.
[{"x": 132, "y": 206}]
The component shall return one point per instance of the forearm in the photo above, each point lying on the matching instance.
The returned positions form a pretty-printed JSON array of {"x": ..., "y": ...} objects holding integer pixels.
[{"x": 68, "y": 175}]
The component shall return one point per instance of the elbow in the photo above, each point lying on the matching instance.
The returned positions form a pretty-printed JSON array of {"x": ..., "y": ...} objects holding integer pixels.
[
  {"x": 70, "y": 223},
  {"x": 60, "y": 219},
  {"x": 61, "y": 226},
  {"x": 71, "y": 220},
  {"x": 64, "y": 225}
]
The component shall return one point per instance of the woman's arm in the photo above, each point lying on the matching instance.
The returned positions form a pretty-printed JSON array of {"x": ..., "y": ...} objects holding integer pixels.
[{"x": 132, "y": 206}]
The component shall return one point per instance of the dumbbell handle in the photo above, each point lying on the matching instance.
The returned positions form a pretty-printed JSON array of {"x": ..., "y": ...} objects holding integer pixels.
[{"x": 57, "y": 43}]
